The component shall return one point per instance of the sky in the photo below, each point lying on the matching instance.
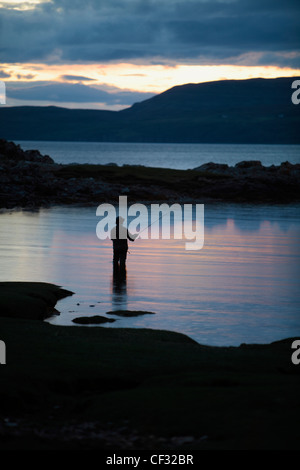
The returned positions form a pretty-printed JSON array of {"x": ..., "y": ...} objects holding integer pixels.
[{"x": 109, "y": 54}]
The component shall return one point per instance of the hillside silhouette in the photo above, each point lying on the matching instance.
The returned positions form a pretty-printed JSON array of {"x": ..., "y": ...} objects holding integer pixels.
[{"x": 227, "y": 111}]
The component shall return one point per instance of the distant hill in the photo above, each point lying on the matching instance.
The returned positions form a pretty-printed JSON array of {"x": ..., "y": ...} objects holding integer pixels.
[{"x": 227, "y": 111}]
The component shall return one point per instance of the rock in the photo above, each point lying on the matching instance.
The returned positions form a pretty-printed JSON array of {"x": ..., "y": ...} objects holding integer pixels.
[
  {"x": 286, "y": 164},
  {"x": 30, "y": 300},
  {"x": 129, "y": 313},
  {"x": 96, "y": 319},
  {"x": 212, "y": 167},
  {"x": 249, "y": 164},
  {"x": 14, "y": 152},
  {"x": 35, "y": 156}
]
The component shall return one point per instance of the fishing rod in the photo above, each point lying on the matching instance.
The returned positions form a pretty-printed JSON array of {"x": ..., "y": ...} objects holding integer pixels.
[
  {"x": 156, "y": 220},
  {"x": 149, "y": 225}
]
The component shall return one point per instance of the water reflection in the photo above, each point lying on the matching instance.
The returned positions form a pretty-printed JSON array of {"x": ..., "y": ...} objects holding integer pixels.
[
  {"x": 243, "y": 286},
  {"x": 119, "y": 290}
]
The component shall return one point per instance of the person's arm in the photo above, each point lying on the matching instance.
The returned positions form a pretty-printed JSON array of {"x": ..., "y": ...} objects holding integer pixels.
[{"x": 132, "y": 237}]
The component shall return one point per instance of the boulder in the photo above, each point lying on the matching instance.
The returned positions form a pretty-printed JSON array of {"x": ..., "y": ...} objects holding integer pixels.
[
  {"x": 213, "y": 167},
  {"x": 129, "y": 313},
  {"x": 249, "y": 164},
  {"x": 95, "y": 320}
]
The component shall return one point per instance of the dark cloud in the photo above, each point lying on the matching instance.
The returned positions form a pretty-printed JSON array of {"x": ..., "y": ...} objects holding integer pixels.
[
  {"x": 76, "y": 78},
  {"x": 106, "y": 30},
  {"x": 4, "y": 74},
  {"x": 72, "y": 93},
  {"x": 27, "y": 76}
]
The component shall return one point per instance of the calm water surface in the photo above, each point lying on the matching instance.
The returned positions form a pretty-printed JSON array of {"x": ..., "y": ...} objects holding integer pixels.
[{"x": 242, "y": 286}]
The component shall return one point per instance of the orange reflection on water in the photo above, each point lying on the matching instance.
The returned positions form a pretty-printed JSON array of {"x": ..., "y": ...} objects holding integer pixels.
[{"x": 243, "y": 282}]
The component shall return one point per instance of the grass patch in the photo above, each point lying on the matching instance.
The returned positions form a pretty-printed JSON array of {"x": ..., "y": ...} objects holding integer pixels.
[
  {"x": 135, "y": 174},
  {"x": 35, "y": 300}
]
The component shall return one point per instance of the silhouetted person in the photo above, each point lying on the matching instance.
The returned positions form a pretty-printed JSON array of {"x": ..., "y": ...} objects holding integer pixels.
[{"x": 120, "y": 236}]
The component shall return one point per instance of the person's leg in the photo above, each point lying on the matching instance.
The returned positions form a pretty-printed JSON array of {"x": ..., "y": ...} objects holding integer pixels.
[
  {"x": 123, "y": 255},
  {"x": 116, "y": 259}
]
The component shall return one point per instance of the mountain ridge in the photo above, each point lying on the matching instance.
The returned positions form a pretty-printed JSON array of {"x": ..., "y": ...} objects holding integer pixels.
[{"x": 253, "y": 110}]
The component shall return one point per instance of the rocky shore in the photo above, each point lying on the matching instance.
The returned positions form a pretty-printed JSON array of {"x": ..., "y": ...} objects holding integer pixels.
[
  {"x": 119, "y": 388},
  {"x": 30, "y": 300},
  {"x": 79, "y": 388},
  {"x": 31, "y": 180}
]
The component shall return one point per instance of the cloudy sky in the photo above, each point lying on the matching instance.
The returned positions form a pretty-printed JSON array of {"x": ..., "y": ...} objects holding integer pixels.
[{"x": 108, "y": 54}]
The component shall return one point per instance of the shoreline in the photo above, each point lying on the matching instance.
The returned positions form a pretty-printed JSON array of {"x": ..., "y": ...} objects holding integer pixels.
[
  {"x": 122, "y": 388},
  {"x": 70, "y": 388},
  {"x": 30, "y": 180},
  {"x": 30, "y": 300}
]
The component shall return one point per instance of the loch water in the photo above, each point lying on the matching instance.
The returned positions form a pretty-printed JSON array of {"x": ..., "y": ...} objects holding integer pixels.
[{"x": 242, "y": 286}]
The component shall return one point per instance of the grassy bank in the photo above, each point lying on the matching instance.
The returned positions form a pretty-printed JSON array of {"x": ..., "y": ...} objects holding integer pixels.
[{"x": 144, "y": 383}]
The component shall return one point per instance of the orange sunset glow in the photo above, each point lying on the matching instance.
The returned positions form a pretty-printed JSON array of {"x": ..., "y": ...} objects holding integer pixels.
[
  {"x": 149, "y": 228},
  {"x": 116, "y": 77},
  {"x": 108, "y": 55}
]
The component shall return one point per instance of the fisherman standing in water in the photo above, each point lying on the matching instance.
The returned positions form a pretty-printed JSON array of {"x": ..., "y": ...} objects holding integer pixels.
[{"x": 120, "y": 236}]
